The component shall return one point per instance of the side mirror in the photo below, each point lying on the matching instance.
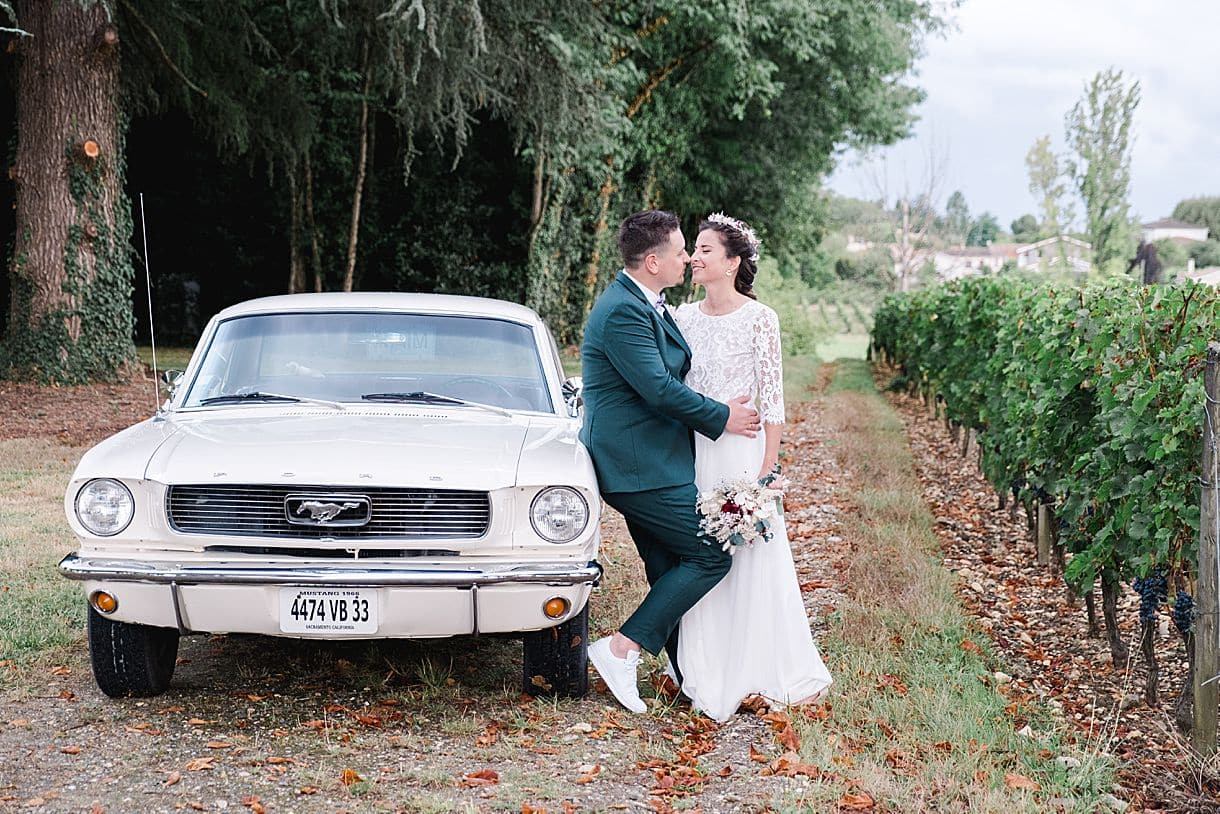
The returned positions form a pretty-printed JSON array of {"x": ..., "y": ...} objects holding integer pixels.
[
  {"x": 572, "y": 388},
  {"x": 171, "y": 379}
]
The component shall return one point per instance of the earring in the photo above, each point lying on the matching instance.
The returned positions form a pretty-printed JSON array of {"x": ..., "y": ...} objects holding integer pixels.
[{"x": 728, "y": 273}]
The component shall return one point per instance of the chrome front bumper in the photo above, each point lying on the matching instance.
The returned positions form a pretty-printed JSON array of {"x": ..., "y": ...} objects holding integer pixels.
[{"x": 98, "y": 569}]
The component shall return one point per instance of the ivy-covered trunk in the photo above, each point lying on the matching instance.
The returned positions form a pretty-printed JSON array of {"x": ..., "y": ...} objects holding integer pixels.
[{"x": 71, "y": 270}]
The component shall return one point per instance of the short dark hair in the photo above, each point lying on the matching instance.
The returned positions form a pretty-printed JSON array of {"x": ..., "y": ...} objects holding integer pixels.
[{"x": 641, "y": 233}]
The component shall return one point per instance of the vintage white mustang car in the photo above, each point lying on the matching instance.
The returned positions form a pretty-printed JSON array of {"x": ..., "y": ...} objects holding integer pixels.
[{"x": 346, "y": 466}]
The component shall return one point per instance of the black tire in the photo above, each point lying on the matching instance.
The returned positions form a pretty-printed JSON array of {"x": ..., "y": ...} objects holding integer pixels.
[
  {"x": 131, "y": 660},
  {"x": 555, "y": 661}
]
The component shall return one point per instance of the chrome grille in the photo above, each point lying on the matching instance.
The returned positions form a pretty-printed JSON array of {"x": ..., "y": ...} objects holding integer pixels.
[{"x": 400, "y": 514}]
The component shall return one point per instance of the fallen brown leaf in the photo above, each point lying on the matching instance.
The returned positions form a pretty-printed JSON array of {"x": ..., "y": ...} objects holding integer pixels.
[
  {"x": 483, "y": 777},
  {"x": 490, "y": 735},
  {"x": 70, "y": 750},
  {"x": 861, "y": 801},
  {"x": 971, "y": 647},
  {"x": 173, "y": 778},
  {"x": 200, "y": 764},
  {"x": 349, "y": 776},
  {"x": 1019, "y": 781}
]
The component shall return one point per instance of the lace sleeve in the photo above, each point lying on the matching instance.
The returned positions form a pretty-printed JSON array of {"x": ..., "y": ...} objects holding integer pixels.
[{"x": 768, "y": 367}]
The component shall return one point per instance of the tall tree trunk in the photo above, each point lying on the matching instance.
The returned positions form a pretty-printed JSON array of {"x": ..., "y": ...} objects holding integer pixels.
[
  {"x": 71, "y": 316},
  {"x": 361, "y": 166},
  {"x": 538, "y": 197},
  {"x": 296, "y": 254},
  {"x": 315, "y": 252},
  {"x": 600, "y": 228}
]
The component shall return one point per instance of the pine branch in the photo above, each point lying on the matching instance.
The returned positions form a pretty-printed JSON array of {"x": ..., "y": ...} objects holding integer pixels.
[{"x": 135, "y": 15}]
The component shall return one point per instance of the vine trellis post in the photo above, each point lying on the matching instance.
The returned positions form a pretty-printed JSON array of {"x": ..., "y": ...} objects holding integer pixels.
[{"x": 1207, "y": 624}]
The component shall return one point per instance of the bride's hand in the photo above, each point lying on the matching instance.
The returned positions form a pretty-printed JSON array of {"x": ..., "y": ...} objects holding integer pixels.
[{"x": 770, "y": 469}]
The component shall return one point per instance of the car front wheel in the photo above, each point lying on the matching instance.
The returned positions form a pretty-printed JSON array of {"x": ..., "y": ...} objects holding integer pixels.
[
  {"x": 129, "y": 659},
  {"x": 555, "y": 661}
]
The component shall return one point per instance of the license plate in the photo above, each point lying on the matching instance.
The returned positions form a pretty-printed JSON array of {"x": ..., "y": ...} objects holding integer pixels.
[{"x": 337, "y": 611}]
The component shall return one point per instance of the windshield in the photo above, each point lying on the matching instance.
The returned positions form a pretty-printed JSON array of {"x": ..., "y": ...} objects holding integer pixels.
[{"x": 345, "y": 357}]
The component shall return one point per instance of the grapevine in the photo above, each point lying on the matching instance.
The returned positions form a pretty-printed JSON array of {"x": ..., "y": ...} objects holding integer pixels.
[{"x": 1088, "y": 398}]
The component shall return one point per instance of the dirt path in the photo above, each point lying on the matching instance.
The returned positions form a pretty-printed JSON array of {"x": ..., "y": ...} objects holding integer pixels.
[{"x": 280, "y": 726}]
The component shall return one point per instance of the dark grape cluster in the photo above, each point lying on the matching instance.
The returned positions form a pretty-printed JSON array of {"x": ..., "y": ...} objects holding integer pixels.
[
  {"x": 1154, "y": 592},
  {"x": 1183, "y": 612}
]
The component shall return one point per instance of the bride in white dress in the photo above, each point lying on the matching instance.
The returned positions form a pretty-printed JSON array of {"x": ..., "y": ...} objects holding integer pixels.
[{"x": 749, "y": 635}]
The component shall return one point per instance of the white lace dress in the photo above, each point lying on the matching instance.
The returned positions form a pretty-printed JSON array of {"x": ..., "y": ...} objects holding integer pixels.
[{"x": 749, "y": 634}]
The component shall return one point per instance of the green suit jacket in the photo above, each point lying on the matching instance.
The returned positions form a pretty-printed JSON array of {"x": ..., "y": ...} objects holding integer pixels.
[{"x": 639, "y": 416}]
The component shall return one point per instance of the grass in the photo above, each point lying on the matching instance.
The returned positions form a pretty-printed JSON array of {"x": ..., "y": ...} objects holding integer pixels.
[
  {"x": 917, "y": 719},
  {"x": 843, "y": 346},
  {"x": 167, "y": 358},
  {"x": 42, "y": 611}
]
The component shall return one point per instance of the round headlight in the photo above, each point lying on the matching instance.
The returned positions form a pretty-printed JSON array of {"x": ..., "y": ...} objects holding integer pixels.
[
  {"x": 559, "y": 514},
  {"x": 104, "y": 507}
]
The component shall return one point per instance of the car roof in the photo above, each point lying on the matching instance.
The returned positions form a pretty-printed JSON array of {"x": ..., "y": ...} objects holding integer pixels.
[{"x": 384, "y": 301}]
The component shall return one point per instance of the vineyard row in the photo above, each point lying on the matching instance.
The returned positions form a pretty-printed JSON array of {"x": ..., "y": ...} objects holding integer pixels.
[{"x": 1087, "y": 404}]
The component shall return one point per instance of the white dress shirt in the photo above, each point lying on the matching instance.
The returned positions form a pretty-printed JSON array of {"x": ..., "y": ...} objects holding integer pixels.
[{"x": 656, "y": 300}]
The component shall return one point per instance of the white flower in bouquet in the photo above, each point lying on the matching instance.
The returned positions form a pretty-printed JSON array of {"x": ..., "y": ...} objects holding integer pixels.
[{"x": 740, "y": 512}]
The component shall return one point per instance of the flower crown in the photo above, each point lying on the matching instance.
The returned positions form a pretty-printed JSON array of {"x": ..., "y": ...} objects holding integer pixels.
[{"x": 742, "y": 227}]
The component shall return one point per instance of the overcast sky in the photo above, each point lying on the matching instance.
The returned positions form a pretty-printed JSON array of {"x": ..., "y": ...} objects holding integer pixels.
[{"x": 1010, "y": 71}]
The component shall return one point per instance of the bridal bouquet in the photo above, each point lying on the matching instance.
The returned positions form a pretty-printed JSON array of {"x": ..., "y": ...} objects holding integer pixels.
[{"x": 741, "y": 512}]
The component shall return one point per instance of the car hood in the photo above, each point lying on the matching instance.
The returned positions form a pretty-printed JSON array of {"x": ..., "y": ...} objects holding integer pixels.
[{"x": 443, "y": 449}]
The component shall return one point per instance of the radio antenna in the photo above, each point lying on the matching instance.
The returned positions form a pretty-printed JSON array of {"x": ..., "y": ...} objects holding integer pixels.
[{"x": 151, "y": 335}]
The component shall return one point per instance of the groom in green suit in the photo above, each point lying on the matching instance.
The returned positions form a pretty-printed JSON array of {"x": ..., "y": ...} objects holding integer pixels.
[{"x": 638, "y": 423}]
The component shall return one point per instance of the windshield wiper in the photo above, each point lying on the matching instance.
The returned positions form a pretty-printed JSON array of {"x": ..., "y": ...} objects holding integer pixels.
[
  {"x": 423, "y": 397},
  {"x": 414, "y": 397},
  {"x": 261, "y": 396}
]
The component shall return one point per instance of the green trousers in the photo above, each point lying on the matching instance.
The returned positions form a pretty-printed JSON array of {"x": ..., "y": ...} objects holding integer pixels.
[{"x": 680, "y": 563}]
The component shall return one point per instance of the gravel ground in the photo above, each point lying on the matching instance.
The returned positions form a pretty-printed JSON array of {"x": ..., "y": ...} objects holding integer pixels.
[{"x": 265, "y": 724}]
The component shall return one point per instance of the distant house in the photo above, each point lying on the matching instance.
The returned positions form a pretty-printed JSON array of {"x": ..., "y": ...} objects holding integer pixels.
[
  {"x": 968, "y": 261},
  {"x": 1175, "y": 230},
  {"x": 1208, "y": 275},
  {"x": 1050, "y": 255},
  {"x": 857, "y": 245}
]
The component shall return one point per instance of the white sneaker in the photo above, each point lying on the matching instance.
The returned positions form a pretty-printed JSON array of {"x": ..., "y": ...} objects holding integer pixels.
[{"x": 618, "y": 673}]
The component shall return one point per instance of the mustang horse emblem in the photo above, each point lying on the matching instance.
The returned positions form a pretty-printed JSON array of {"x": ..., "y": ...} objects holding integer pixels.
[{"x": 320, "y": 512}]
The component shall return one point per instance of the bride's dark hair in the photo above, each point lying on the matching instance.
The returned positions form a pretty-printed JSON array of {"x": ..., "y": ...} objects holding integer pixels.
[{"x": 736, "y": 244}]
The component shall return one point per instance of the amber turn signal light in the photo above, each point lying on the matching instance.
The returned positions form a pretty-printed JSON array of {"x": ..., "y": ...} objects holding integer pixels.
[
  {"x": 556, "y": 607},
  {"x": 104, "y": 602}
]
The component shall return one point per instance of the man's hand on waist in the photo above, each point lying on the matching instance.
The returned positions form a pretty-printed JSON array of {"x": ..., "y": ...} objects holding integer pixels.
[{"x": 743, "y": 419}]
